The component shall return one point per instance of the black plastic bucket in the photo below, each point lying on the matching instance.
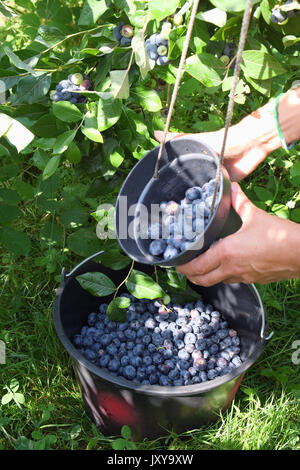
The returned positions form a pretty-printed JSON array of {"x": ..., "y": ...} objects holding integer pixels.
[
  {"x": 151, "y": 410},
  {"x": 186, "y": 162}
]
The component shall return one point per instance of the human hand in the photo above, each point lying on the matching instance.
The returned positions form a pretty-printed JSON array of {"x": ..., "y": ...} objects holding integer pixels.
[
  {"x": 265, "y": 249},
  {"x": 242, "y": 156}
]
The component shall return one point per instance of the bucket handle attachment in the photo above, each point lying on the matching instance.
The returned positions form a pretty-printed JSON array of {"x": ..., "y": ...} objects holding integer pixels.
[{"x": 66, "y": 276}]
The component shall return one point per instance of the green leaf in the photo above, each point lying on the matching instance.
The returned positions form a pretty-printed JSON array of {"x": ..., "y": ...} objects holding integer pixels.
[
  {"x": 231, "y": 5},
  {"x": 97, "y": 284},
  {"x": 148, "y": 99},
  {"x": 51, "y": 166},
  {"x": 40, "y": 159},
  {"x": 24, "y": 189},
  {"x": 92, "y": 10},
  {"x": 66, "y": 111},
  {"x": 73, "y": 153},
  {"x": 17, "y": 61},
  {"x": 160, "y": 9},
  {"x": 109, "y": 112},
  {"x": 8, "y": 213},
  {"x": 51, "y": 235},
  {"x": 120, "y": 83},
  {"x": 261, "y": 65},
  {"x": 90, "y": 128},
  {"x": 63, "y": 141},
  {"x": 141, "y": 57},
  {"x": 92, "y": 134},
  {"x": 206, "y": 68},
  {"x": 6, "y": 398},
  {"x": 117, "y": 157},
  {"x": 74, "y": 214},
  {"x": 116, "y": 310},
  {"x": 32, "y": 88},
  {"x": 290, "y": 40},
  {"x": 15, "y": 241},
  {"x": 46, "y": 126},
  {"x": 143, "y": 286},
  {"x": 118, "y": 444},
  {"x": 9, "y": 196},
  {"x": 126, "y": 432},
  {"x": 113, "y": 259},
  {"x": 295, "y": 215},
  {"x": 17, "y": 134}
]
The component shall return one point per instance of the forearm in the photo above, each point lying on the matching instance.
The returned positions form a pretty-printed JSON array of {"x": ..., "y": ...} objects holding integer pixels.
[{"x": 261, "y": 127}]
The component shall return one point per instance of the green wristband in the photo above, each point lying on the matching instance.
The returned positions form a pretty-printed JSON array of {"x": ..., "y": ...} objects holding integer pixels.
[{"x": 280, "y": 133}]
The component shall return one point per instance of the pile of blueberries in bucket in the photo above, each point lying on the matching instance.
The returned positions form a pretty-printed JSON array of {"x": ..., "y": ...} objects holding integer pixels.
[
  {"x": 169, "y": 345},
  {"x": 181, "y": 223}
]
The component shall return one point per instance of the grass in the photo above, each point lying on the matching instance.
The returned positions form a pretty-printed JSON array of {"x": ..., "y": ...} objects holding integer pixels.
[{"x": 265, "y": 414}]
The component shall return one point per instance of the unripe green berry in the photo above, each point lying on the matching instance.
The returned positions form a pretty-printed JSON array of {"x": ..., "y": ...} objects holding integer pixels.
[
  {"x": 225, "y": 59},
  {"x": 52, "y": 93},
  {"x": 166, "y": 25},
  {"x": 127, "y": 31},
  {"x": 77, "y": 78},
  {"x": 178, "y": 20},
  {"x": 165, "y": 33},
  {"x": 162, "y": 50}
]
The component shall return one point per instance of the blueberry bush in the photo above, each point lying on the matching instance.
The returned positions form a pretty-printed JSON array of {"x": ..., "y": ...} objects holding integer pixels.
[{"x": 83, "y": 86}]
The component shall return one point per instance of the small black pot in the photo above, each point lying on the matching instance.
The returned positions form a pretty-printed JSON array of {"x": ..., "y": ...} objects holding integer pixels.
[
  {"x": 186, "y": 162},
  {"x": 151, "y": 410}
]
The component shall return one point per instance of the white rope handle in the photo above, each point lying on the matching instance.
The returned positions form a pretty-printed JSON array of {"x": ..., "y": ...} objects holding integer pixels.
[{"x": 177, "y": 83}]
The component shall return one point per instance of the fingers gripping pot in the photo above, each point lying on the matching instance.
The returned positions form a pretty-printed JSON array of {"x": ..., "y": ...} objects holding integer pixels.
[{"x": 186, "y": 162}]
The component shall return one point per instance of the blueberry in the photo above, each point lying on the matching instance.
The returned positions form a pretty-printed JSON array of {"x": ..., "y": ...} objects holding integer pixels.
[
  {"x": 235, "y": 341},
  {"x": 221, "y": 362},
  {"x": 189, "y": 347},
  {"x": 211, "y": 363},
  {"x": 103, "y": 308},
  {"x": 135, "y": 361},
  {"x": 87, "y": 341},
  {"x": 200, "y": 364},
  {"x": 130, "y": 334},
  {"x": 113, "y": 365},
  {"x": 213, "y": 349},
  {"x": 160, "y": 41},
  {"x": 173, "y": 374},
  {"x": 127, "y": 31},
  {"x": 106, "y": 339},
  {"x": 117, "y": 31},
  {"x": 183, "y": 354},
  {"x": 125, "y": 41},
  {"x": 152, "y": 51},
  {"x": 141, "y": 375},
  {"x": 203, "y": 376},
  {"x": 112, "y": 349},
  {"x": 104, "y": 360},
  {"x": 236, "y": 361},
  {"x": 150, "y": 324},
  {"x": 164, "y": 381},
  {"x": 193, "y": 193},
  {"x": 154, "y": 378},
  {"x": 77, "y": 340},
  {"x": 129, "y": 372},
  {"x": 190, "y": 338},
  {"x": 89, "y": 354},
  {"x": 212, "y": 374},
  {"x": 124, "y": 360},
  {"x": 225, "y": 343},
  {"x": 278, "y": 17},
  {"x": 157, "y": 358},
  {"x": 151, "y": 348},
  {"x": 138, "y": 349},
  {"x": 147, "y": 360},
  {"x": 170, "y": 252}
]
